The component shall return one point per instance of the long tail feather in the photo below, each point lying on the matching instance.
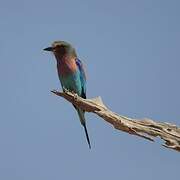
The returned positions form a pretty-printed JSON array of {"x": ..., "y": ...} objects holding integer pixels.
[
  {"x": 87, "y": 136},
  {"x": 83, "y": 122}
]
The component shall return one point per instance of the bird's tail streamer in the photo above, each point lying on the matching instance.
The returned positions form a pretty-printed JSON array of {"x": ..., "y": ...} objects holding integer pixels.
[{"x": 83, "y": 122}]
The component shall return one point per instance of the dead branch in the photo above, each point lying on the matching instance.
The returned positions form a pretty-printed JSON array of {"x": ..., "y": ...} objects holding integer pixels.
[{"x": 145, "y": 128}]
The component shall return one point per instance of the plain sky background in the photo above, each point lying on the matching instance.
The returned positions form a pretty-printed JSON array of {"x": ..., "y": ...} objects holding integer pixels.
[{"x": 131, "y": 51}]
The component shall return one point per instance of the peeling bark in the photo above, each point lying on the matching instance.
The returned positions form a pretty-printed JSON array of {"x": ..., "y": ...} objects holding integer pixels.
[{"x": 145, "y": 128}]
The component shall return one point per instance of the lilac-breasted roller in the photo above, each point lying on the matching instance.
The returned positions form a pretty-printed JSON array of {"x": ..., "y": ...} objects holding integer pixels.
[{"x": 71, "y": 74}]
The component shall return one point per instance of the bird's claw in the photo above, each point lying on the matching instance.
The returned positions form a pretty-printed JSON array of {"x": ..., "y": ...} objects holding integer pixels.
[
  {"x": 65, "y": 90},
  {"x": 75, "y": 96}
]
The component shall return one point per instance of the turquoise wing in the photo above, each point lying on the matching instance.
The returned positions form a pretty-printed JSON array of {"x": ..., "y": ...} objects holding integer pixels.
[{"x": 82, "y": 77}]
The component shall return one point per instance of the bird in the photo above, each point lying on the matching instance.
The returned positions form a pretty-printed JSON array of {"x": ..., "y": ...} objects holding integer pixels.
[{"x": 71, "y": 74}]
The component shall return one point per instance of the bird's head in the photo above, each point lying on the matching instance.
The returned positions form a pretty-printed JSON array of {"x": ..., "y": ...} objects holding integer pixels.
[{"x": 61, "y": 48}]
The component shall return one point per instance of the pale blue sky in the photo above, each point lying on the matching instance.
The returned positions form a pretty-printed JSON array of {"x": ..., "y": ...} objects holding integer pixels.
[{"x": 131, "y": 51}]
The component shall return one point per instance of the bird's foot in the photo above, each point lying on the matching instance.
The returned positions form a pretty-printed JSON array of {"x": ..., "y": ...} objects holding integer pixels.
[
  {"x": 65, "y": 90},
  {"x": 75, "y": 96}
]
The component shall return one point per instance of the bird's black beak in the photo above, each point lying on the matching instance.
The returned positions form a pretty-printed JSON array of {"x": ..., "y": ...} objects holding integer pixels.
[{"x": 48, "y": 49}]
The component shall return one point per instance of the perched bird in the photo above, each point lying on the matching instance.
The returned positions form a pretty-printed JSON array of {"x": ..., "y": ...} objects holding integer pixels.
[{"x": 71, "y": 74}]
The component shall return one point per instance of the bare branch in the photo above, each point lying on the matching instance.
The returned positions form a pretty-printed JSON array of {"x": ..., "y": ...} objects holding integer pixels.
[{"x": 145, "y": 128}]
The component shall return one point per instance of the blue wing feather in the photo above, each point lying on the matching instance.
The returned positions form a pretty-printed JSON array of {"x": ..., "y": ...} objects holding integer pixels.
[
  {"x": 83, "y": 95},
  {"x": 82, "y": 77}
]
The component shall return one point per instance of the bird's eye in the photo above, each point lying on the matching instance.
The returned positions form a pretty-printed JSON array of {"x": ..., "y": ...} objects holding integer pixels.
[{"x": 60, "y": 46}]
